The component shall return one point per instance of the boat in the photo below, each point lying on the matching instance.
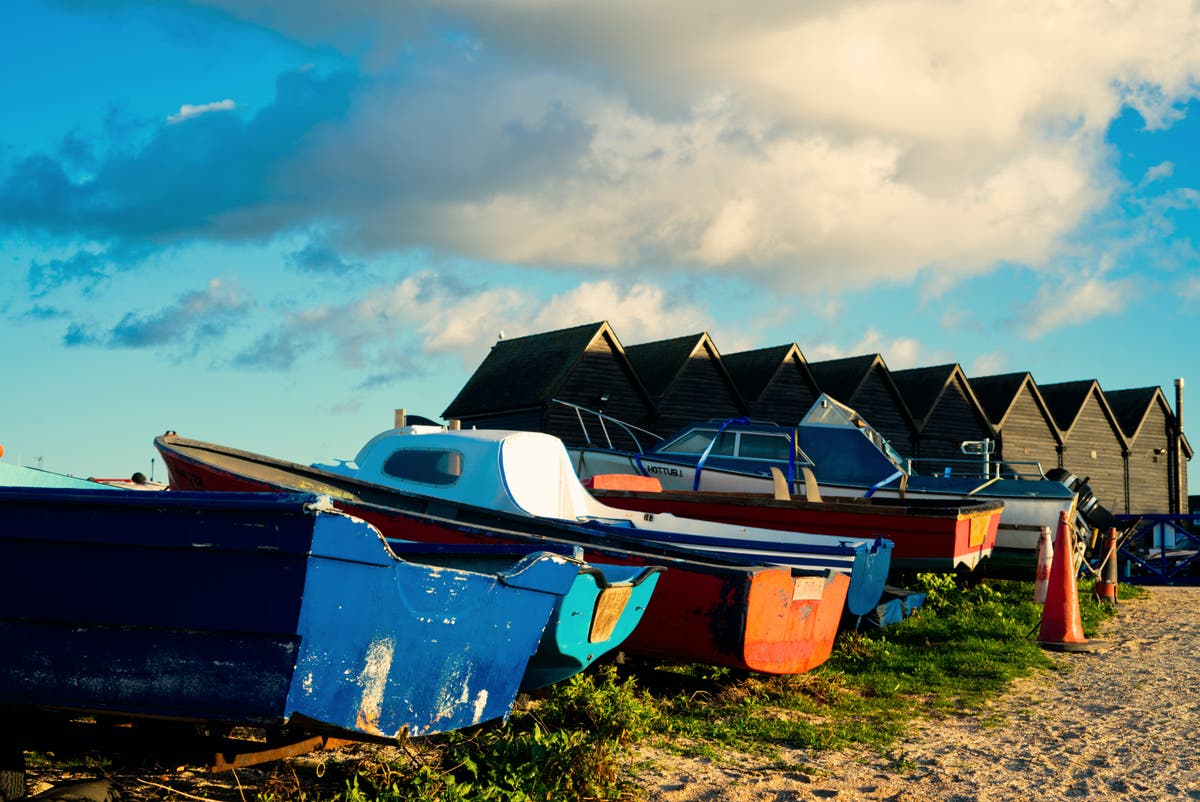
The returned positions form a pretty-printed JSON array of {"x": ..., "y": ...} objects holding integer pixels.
[
  {"x": 260, "y": 610},
  {"x": 601, "y": 609},
  {"x": 934, "y": 535},
  {"x": 530, "y": 474},
  {"x": 137, "y": 481},
  {"x": 836, "y": 453},
  {"x": 706, "y": 608},
  {"x": 25, "y": 476}
]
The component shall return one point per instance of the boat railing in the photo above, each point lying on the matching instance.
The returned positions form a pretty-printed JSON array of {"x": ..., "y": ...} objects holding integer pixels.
[
  {"x": 973, "y": 469},
  {"x": 603, "y": 419}
]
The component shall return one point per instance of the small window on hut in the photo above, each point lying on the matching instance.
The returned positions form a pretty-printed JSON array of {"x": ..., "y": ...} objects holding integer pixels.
[{"x": 431, "y": 466}]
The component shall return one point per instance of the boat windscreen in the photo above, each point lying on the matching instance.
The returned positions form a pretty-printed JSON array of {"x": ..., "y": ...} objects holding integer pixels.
[
  {"x": 827, "y": 412},
  {"x": 696, "y": 441}
]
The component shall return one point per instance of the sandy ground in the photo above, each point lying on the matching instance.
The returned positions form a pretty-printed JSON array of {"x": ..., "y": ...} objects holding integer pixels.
[{"x": 1121, "y": 724}]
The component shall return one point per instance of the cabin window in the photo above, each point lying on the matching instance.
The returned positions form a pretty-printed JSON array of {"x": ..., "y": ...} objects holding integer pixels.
[
  {"x": 695, "y": 442},
  {"x": 763, "y": 446},
  {"x": 431, "y": 466}
]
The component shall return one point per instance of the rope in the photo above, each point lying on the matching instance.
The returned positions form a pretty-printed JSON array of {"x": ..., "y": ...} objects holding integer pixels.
[
  {"x": 871, "y": 490},
  {"x": 713, "y": 442}
]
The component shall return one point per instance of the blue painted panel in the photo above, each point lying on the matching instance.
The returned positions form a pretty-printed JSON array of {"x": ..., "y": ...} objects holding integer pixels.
[
  {"x": 448, "y": 650},
  {"x": 568, "y": 646}
]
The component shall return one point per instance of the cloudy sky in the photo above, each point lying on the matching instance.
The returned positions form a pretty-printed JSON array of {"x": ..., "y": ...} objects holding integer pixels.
[{"x": 268, "y": 223}]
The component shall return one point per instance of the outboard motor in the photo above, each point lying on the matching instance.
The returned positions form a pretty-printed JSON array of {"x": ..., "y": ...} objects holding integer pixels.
[{"x": 1086, "y": 502}]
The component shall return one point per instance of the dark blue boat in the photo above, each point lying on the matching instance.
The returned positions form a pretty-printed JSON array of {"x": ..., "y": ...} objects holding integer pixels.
[{"x": 267, "y": 610}]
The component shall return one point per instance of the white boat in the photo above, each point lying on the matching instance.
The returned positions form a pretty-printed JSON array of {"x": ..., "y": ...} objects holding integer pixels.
[{"x": 530, "y": 473}]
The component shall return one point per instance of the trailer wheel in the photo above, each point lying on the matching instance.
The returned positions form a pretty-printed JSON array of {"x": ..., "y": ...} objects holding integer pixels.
[{"x": 12, "y": 773}]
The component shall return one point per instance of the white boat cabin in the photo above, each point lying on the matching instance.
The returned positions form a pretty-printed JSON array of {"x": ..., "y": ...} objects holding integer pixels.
[{"x": 514, "y": 471}]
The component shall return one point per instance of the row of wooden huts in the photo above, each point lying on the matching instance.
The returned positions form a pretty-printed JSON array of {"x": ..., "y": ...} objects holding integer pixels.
[{"x": 1127, "y": 444}]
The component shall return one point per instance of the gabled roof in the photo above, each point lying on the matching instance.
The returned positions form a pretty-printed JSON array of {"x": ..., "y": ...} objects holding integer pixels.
[
  {"x": 528, "y": 371},
  {"x": 997, "y": 394},
  {"x": 1067, "y": 399},
  {"x": 1132, "y": 407},
  {"x": 923, "y": 388},
  {"x": 658, "y": 364},
  {"x": 842, "y": 378},
  {"x": 753, "y": 371}
]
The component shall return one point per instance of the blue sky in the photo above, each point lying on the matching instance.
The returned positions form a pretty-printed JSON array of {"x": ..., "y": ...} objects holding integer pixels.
[{"x": 268, "y": 224}]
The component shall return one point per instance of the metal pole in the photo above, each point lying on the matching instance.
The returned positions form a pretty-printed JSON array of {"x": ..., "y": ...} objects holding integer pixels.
[{"x": 1177, "y": 451}]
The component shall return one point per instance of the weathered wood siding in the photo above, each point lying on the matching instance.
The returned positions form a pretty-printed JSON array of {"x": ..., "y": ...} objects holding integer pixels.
[
  {"x": 598, "y": 372},
  {"x": 1027, "y": 436},
  {"x": 875, "y": 401},
  {"x": 1095, "y": 452},
  {"x": 953, "y": 420},
  {"x": 699, "y": 392},
  {"x": 786, "y": 398},
  {"x": 1148, "y": 466}
]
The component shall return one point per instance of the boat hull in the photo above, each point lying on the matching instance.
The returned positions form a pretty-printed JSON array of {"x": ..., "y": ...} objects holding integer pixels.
[
  {"x": 254, "y": 610},
  {"x": 927, "y": 535},
  {"x": 1015, "y": 545},
  {"x": 704, "y": 609}
]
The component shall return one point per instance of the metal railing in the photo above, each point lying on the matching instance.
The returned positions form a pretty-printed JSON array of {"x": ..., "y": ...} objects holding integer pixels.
[
  {"x": 1159, "y": 550},
  {"x": 973, "y": 469},
  {"x": 604, "y": 419}
]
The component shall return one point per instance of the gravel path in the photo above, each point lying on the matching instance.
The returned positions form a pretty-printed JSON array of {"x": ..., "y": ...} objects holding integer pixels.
[{"x": 1122, "y": 724}]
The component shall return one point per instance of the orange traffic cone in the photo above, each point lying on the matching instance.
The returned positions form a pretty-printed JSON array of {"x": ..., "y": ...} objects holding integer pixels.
[{"x": 1062, "y": 628}]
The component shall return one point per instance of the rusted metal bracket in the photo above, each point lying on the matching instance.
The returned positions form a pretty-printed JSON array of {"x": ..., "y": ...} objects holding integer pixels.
[{"x": 256, "y": 752}]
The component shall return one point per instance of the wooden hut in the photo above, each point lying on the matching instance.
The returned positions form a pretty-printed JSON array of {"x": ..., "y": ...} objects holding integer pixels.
[
  {"x": 775, "y": 382},
  {"x": 1150, "y": 427},
  {"x": 687, "y": 381},
  {"x": 519, "y": 380},
  {"x": 1027, "y": 438},
  {"x": 1093, "y": 445},
  {"x": 946, "y": 415},
  {"x": 865, "y": 384}
]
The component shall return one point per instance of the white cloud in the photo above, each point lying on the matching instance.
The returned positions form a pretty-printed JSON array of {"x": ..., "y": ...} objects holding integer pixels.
[
  {"x": 638, "y": 313},
  {"x": 432, "y": 315},
  {"x": 987, "y": 364},
  {"x": 899, "y": 352},
  {"x": 1189, "y": 288},
  {"x": 1074, "y": 300},
  {"x": 187, "y": 111},
  {"x": 812, "y": 145},
  {"x": 1158, "y": 172}
]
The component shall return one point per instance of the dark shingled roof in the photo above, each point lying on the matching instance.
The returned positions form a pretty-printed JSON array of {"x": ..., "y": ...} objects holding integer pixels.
[
  {"x": 524, "y": 371},
  {"x": 1132, "y": 406},
  {"x": 922, "y": 387},
  {"x": 1065, "y": 400},
  {"x": 659, "y": 363},
  {"x": 841, "y": 378},
  {"x": 752, "y": 371},
  {"x": 997, "y": 393}
]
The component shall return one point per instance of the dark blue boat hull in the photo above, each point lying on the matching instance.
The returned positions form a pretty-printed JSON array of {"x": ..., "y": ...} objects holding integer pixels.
[{"x": 254, "y": 609}]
